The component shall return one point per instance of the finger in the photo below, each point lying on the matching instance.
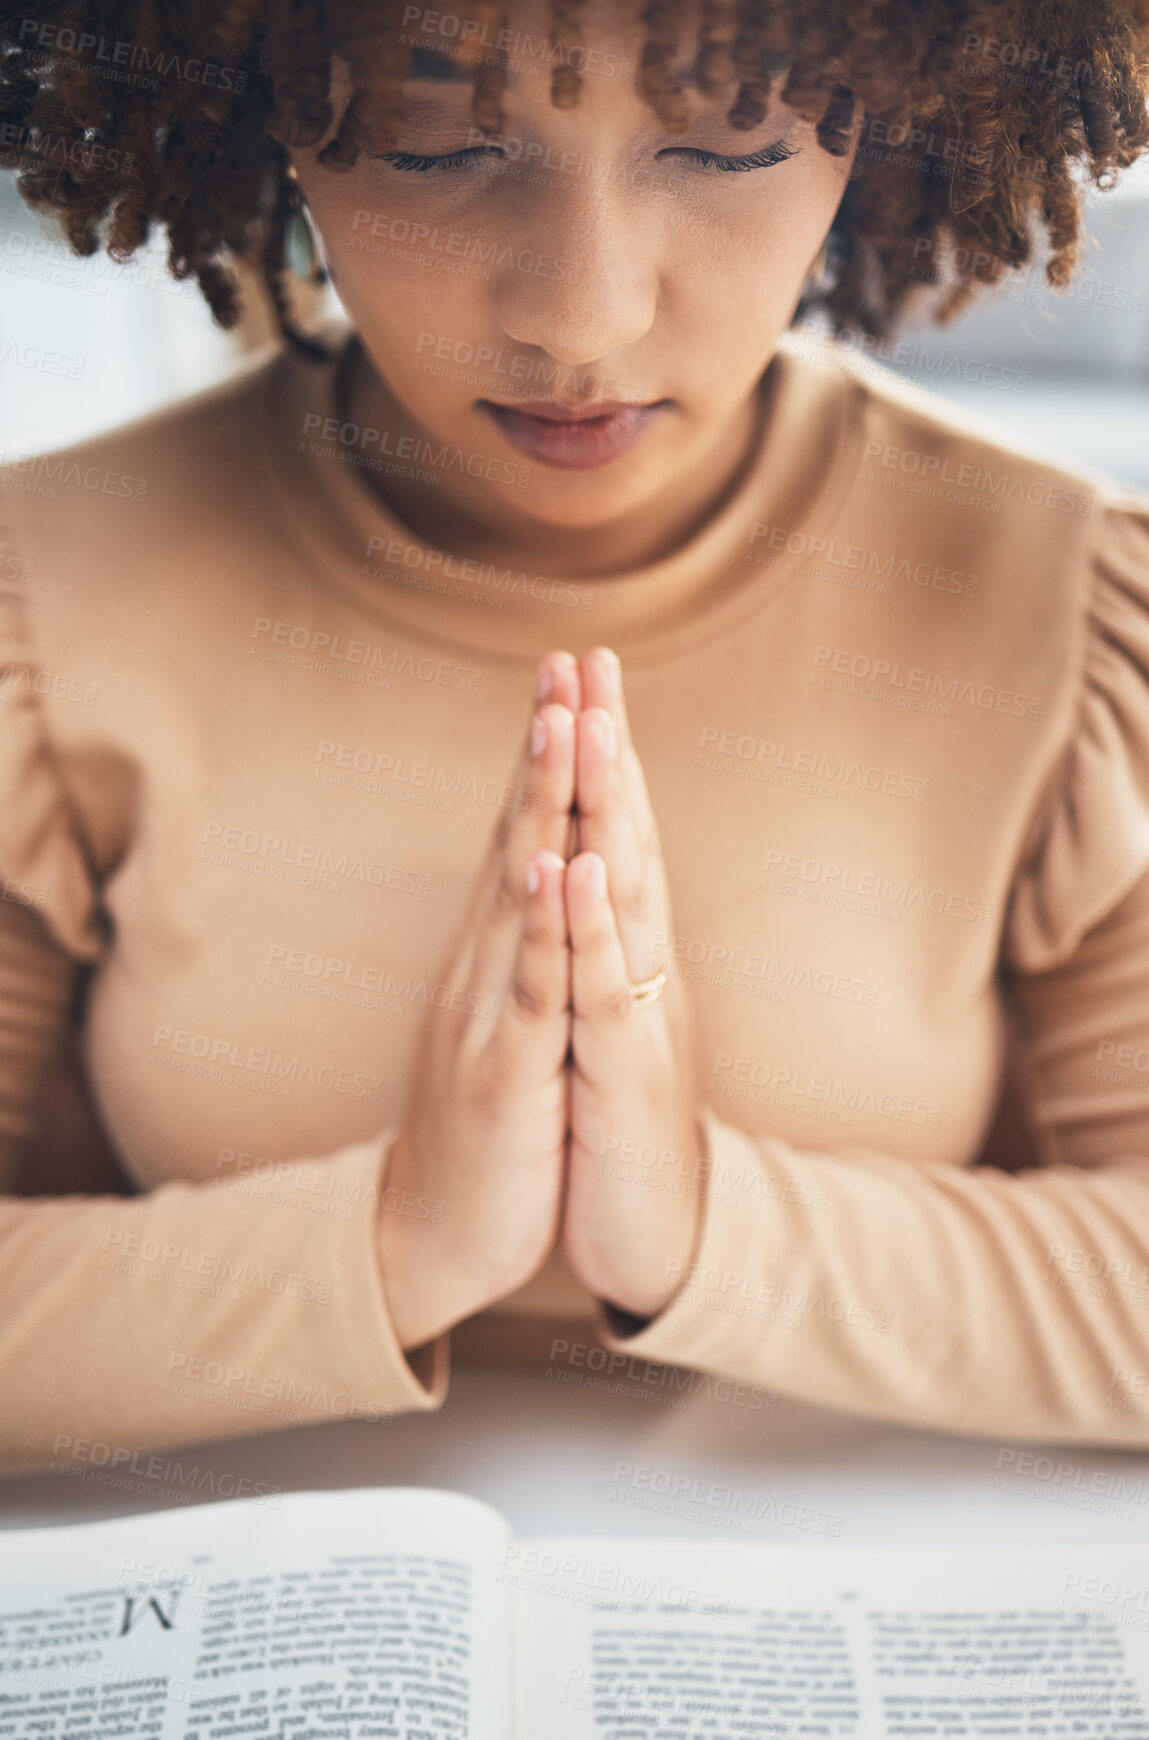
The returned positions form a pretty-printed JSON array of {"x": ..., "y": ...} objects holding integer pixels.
[
  {"x": 531, "y": 1025},
  {"x": 557, "y": 680},
  {"x": 601, "y": 985},
  {"x": 607, "y": 828},
  {"x": 498, "y": 913},
  {"x": 556, "y": 684},
  {"x": 601, "y": 682}
]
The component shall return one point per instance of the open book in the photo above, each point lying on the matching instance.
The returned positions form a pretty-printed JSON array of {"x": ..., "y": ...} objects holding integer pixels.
[{"x": 413, "y": 1613}]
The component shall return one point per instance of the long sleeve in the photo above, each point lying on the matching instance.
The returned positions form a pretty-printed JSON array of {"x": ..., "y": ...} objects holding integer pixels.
[
  {"x": 977, "y": 1299},
  {"x": 187, "y": 1312}
]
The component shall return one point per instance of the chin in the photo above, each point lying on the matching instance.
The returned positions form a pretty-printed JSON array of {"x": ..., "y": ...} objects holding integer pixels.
[{"x": 581, "y": 506}]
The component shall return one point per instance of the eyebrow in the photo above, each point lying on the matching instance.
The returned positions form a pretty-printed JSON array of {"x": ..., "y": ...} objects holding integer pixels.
[{"x": 434, "y": 66}]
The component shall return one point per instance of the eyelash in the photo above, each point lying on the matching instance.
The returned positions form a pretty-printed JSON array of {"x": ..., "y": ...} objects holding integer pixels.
[{"x": 764, "y": 159}]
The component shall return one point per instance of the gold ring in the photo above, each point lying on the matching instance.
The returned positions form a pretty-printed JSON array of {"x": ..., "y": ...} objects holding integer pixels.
[{"x": 648, "y": 989}]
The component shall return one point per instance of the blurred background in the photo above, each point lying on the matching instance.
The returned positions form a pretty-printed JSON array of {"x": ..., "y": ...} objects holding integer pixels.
[{"x": 86, "y": 343}]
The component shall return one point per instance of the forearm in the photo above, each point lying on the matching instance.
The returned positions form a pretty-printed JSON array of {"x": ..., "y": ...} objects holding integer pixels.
[
  {"x": 933, "y": 1296},
  {"x": 195, "y": 1312}
]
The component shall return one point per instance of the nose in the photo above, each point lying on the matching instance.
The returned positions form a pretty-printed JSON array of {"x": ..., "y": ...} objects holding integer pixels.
[{"x": 583, "y": 283}]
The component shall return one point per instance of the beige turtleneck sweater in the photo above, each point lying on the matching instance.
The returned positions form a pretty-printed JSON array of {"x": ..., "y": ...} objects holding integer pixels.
[{"x": 892, "y": 704}]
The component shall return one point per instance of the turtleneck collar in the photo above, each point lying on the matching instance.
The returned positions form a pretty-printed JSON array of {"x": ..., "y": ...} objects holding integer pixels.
[{"x": 339, "y": 526}]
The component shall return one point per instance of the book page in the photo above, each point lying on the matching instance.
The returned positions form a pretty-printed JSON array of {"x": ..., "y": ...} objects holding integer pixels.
[
  {"x": 616, "y": 1639},
  {"x": 312, "y": 1615}
]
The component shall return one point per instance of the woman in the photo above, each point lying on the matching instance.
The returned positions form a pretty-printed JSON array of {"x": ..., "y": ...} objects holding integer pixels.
[{"x": 426, "y": 978}]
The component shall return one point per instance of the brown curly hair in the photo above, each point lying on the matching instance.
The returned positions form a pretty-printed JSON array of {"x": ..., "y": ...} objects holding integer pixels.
[{"x": 973, "y": 116}]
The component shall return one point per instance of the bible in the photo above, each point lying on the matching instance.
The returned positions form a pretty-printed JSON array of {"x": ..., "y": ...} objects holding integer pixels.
[{"x": 417, "y": 1614}]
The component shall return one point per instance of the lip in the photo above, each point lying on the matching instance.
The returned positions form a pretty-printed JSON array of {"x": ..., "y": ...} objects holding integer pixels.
[{"x": 573, "y": 438}]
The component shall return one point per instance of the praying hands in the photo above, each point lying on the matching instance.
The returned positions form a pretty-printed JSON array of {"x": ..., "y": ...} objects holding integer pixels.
[{"x": 511, "y": 1122}]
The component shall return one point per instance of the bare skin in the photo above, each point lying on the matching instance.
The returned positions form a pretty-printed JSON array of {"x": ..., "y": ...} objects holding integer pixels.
[{"x": 509, "y": 1124}]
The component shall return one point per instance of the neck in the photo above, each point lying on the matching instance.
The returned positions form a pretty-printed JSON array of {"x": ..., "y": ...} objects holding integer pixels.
[{"x": 467, "y": 519}]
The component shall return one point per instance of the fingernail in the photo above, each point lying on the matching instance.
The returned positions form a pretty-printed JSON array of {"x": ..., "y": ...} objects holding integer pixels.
[
  {"x": 610, "y": 668},
  {"x": 543, "y": 682},
  {"x": 538, "y": 735},
  {"x": 596, "y": 876},
  {"x": 533, "y": 877}
]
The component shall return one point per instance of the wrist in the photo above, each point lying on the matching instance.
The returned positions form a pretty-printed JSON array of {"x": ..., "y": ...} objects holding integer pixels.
[
  {"x": 405, "y": 1263},
  {"x": 432, "y": 1271}
]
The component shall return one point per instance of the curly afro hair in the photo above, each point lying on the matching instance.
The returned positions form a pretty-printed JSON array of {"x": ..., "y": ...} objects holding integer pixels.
[{"x": 972, "y": 117}]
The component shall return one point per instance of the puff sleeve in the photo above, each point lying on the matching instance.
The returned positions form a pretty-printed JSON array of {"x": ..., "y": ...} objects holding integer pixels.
[
  {"x": 978, "y": 1299},
  {"x": 86, "y": 1344},
  {"x": 1089, "y": 842}
]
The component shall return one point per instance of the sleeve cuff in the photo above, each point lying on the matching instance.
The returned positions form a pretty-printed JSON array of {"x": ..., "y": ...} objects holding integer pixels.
[
  {"x": 399, "y": 1381},
  {"x": 736, "y": 1271}
]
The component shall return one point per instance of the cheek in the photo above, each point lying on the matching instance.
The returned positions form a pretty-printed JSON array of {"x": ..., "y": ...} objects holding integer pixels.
[
  {"x": 744, "y": 277},
  {"x": 396, "y": 282}
]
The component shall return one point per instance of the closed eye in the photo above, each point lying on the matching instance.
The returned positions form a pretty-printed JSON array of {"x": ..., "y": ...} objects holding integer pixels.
[
  {"x": 764, "y": 159},
  {"x": 452, "y": 159}
]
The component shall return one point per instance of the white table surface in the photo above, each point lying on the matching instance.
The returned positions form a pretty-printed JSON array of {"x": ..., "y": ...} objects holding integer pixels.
[{"x": 547, "y": 1455}]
